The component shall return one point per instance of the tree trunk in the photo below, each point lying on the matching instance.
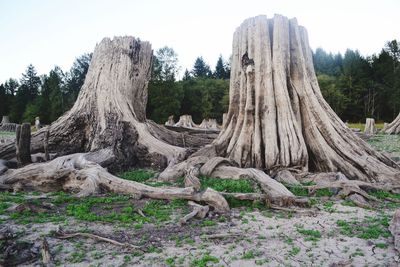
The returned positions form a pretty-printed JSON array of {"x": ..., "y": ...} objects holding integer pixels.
[
  {"x": 370, "y": 128},
  {"x": 110, "y": 112},
  {"x": 23, "y": 144},
  {"x": 393, "y": 127},
  {"x": 277, "y": 117}
]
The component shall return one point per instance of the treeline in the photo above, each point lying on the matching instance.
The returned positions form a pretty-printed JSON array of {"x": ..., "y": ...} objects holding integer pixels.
[
  {"x": 202, "y": 92},
  {"x": 47, "y": 96},
  {"x": 357, "y": 87}
]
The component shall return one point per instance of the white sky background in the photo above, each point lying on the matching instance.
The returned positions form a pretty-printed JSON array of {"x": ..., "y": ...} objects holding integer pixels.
[{"x": 54, "y": 32}]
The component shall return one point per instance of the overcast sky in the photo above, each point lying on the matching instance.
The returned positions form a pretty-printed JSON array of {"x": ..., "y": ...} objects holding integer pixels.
[{"x": 54, "y": 32}]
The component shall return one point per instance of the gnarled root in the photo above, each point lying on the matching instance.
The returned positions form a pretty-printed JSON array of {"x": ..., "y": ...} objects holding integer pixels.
[
  {"x": 218, "y": 167},
  {"x": 81, "y": 173}
]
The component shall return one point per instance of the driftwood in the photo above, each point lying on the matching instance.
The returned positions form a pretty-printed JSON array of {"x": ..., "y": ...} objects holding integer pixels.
[{"x": 199, "y": 211}]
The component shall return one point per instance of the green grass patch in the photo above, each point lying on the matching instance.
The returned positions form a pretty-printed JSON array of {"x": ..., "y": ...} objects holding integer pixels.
[
  {"x": 369, "y": 228},
  {"x": 204, "y": 261},
  {"x": 310, "y": 234},
  {"x": 137, "y": 175},
  {"x": 227, "y": 185},
  {"x": 380, "y": 194}
]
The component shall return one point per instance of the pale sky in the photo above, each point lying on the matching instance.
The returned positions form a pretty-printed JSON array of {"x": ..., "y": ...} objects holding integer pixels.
[{"x": 54, "y": 32}]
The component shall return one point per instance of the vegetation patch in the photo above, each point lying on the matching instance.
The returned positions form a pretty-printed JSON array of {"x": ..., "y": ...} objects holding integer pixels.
[
  {"x": 310, "y": 234},
  {"x": 369, "y": 228}
]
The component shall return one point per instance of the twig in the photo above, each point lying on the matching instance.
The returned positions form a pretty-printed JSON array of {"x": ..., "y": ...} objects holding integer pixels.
[
  {"x": 97, "y": 237},
  {"x": 46, "y": 256},
  {"x": 219, "y": 236}
]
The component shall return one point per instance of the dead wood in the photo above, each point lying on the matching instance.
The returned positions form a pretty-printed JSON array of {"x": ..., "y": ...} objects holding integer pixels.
[
  {"x": 191, "y": 179},
  {"x": 60, "y": 234},
  {"x": 80, "y": 173},
  {"x": 46, "y": 255},
  {"x": 198, "y": 211}
]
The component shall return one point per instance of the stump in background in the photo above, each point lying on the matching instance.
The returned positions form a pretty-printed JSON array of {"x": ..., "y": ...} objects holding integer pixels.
[
  {"x": 23, "y": 144},
  {"x": 370, "y": 128}
]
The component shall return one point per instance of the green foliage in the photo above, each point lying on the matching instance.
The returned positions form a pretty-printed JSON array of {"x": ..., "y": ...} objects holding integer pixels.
[
  {"x": 227, "y": 185},
  {"x": 310, "y": 234},
  {"x": 369, "y": 228},
  {"x": 201, "y": 69},
  {"x": 137, "y": 175},
  {"x": 357, "y": 87},
  {"x": 380, "y": 194},
  {"x": 203, "y": 262}
]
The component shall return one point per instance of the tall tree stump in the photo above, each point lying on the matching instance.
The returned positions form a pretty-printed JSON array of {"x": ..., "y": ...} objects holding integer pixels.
[
  {"x": 23, "y": 144},
  {"x": 277, "y": 116},
  {"x": 370, "y": 128}
]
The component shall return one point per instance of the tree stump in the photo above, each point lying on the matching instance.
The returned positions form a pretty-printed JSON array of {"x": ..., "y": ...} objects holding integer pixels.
[
  {"x": 23, "y": 144},
  {"x": 37, "y": 123},
  {"x": 277, "y": 116},
  {"x": 370, "y": 128},
  {"x": 209, "y": 124},
  {"x": 393, "y": 127},
  {"x": 170, "y": 121},
  {"x": 4, "y": 120},
  {"x": 185, "y": 121}
]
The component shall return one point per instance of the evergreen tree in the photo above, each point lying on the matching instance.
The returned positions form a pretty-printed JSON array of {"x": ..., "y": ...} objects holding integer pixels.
[
  {"x": 26, "y": 93},
  {"x": 201, "y": 69},
  {"x": 75, "y": 78},
  {"x": 186, "y": 75},
  {"x": 221, "y": 69}
]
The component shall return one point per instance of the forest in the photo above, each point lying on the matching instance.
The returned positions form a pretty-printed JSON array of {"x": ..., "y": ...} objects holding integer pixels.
[{"x": 355, "y": 86}]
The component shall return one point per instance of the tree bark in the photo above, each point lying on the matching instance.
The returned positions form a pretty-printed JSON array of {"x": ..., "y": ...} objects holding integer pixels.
[
  {"x": 277, "y": 117},
  {"x": 23, "y": 144}
]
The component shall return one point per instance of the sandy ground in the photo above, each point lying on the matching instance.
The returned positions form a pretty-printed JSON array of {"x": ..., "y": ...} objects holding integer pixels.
[{"x": 244, "y": 238}]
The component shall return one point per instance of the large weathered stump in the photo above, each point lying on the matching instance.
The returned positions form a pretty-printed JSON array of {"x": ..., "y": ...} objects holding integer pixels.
[
  {"x": 277, "y": 117},
  {"x": 110, "y": 112}
]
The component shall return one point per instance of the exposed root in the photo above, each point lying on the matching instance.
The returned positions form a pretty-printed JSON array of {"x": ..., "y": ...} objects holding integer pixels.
[{"x": 76, "y": 173}]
